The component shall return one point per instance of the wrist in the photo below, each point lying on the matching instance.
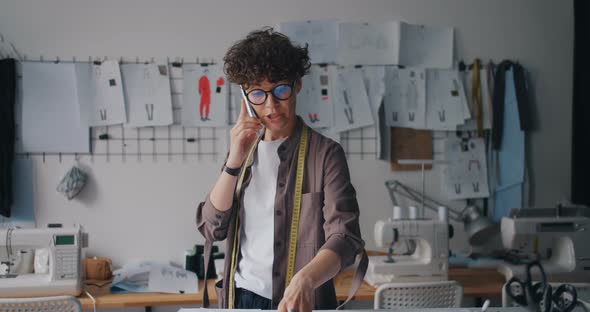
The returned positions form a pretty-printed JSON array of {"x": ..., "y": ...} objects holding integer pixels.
[
  {"x": 304, "y": 280},
  {"x": 231, "y": 163}
]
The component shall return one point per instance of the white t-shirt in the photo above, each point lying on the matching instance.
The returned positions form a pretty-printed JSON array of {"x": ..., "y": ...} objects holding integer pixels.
[{"x": 255, "y": 268}]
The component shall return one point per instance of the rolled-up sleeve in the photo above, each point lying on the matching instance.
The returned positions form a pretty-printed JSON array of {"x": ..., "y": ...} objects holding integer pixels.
[
  {"x": 212, "y": 223},
  {"x": 341, "y": 210}
]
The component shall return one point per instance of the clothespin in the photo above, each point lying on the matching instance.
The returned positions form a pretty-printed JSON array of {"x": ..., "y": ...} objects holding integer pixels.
[{"x": 462, "y": 66}]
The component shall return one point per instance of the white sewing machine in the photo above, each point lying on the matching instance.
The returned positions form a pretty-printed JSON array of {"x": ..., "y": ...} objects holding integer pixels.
[
  {"x": 57, "y": 266},
  {"x": 558, "y": 238},
  {"x": 425, "y": 250}
]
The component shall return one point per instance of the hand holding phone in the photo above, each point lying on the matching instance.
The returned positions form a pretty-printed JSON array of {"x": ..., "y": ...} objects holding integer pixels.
[
  {"x": 249, "y": 108},
  {"x": 244, "y": 133}
]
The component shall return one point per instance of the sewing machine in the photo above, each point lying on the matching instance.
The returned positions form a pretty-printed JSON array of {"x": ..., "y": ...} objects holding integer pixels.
[
  {"x": 424, "y": 246},
  {"x": 56, "y": 267},
  {"x": 559, "y": 238}
]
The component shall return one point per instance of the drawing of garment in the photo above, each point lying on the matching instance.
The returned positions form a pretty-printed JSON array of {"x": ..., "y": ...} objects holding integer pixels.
[
  {"x": 205, "y": 93},
  {"x": 412, "y": 96}
]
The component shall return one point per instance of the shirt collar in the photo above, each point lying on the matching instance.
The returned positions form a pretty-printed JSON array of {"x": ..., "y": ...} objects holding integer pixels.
[{"x": 290, "y": 144}]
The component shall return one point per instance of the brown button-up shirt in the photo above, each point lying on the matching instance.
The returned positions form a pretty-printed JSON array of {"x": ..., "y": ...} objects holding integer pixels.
[{"x": 329, "y": 216}]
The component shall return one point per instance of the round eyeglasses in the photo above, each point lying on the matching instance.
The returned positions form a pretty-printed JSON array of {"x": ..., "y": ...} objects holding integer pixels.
[{"x": 280, "y": 92}]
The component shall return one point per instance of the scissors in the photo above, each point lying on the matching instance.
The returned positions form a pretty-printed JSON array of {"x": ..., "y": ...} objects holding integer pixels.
[
  {"x": 536, "y": 297},
  {"x": 565, "y": 298},
  {"x": 539, "y": 297}
]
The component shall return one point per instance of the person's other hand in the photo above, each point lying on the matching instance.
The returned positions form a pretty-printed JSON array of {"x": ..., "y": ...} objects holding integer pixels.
[
  {"x": 297, "y": 296},
  {"x": 242, "y": 135}
]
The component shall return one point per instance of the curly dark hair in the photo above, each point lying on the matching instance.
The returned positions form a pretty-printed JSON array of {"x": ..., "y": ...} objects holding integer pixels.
[{"x": 265, "y": 54}]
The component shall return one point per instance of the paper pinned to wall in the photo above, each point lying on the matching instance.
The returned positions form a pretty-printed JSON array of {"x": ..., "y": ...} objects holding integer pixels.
[
  {"x": 100, "y": 93},
  {"x": 445, "y": 97},
  {"x": 465, "y": 175},
  {"x": 425, "y": 46},
  {"x": 330, "y": 133},
  {"x": 176, "y": 85},
  {"x": 147, "y": 93},
  {"x": 50, "y": 111},
  {"x": 315, "y": 99},
  {"x": 405, "y": 97},
  {"x": 374, "y": 78},
  {"x": 205, "y": 96},
  {"x": 368, "y": 43},
  {"x": 320, "y": 35},
  {"x": 351, "y": 109}
]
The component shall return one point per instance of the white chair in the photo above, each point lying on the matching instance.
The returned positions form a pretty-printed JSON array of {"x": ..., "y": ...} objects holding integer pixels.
[
  {"x": 444, "y": 294},
  {"x": 41, "y": 304}
]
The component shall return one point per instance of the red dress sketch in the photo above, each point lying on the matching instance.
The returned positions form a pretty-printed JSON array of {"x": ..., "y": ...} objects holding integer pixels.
[{"x": 205, "y": 92}]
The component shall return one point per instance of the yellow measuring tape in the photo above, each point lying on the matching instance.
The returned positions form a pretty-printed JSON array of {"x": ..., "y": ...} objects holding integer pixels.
[
  {"x": 476, "y": 97},
  {"x": 294, "y": 219},
  {"x": 296, "y": 206}
]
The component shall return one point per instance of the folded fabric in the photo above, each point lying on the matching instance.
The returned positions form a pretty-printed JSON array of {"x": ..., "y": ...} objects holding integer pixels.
[{"x": 73, "y": 182}]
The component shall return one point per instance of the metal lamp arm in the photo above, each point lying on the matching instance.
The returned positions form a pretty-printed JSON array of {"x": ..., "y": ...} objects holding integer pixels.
[{"x": 397, "y": 188}]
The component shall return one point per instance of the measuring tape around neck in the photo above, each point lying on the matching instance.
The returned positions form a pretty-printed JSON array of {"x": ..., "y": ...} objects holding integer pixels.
[
  {"x": 296, "y": 206},
  {"x": 294, "y": 220}
]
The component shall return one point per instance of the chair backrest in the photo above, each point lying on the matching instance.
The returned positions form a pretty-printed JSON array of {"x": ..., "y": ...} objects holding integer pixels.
[
  {"x": 443, "y": 294},
  {"x": 41, "y": 304}
]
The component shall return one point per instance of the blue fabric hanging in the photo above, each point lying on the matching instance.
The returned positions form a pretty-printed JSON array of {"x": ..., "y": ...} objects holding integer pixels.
[{"x": 510, "y": 177}]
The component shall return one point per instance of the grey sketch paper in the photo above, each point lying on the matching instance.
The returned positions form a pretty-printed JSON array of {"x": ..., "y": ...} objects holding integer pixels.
[
  {"x": 50, "y": 111},
  {"x": 351, "y": 109},
  {"x": 205, "y": 96},
  {"x": 320, "y": 35},
  {"x": 426, "y": 46},
  {"x": 465, "y": 174},
  {"x": 315, "y": 99},
  {"x": 445, "y": 98},
  {"x": 374, "y": 78},
  {"x": 405, "y": 97},
  {"x": 147, "y": 94},
  {"x": 486, "y": 101},
  {"x": 176, "y": 83},
  {"x": 330, "y": 133},
  {"x": 100, "y": 93},
  {"x": 368, "y": 43}
]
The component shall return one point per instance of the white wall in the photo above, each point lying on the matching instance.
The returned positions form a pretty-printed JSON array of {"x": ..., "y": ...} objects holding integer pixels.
[{"x": 137, "y": 210}]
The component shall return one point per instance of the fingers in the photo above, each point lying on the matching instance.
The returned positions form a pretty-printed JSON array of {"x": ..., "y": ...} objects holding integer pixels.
[
  {"x": 243, "y": 110},
  {"x": 300, "y": 306},
  {"x": 246, "y": 126},
  {"x": 282, "y": 306},
  {"x": 295, "y": 303}
]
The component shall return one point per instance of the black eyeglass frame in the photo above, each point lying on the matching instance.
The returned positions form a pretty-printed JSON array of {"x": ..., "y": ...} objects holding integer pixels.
[{"x": 246, "y": 94}]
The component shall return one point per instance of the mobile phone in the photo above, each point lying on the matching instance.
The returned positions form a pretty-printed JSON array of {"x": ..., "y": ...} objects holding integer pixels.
[{"x": 249, "y": 108}]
